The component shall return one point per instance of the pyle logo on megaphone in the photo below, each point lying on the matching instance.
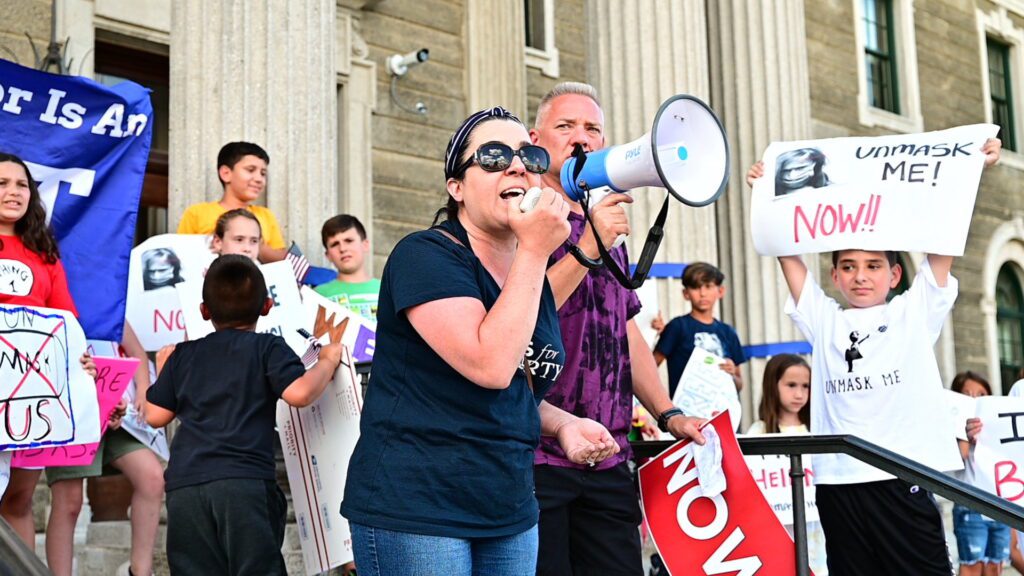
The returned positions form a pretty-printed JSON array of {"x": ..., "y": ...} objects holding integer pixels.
[{"x": 686, "y": 152}]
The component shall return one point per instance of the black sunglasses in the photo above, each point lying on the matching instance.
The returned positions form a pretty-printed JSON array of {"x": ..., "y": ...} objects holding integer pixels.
[{"x": 497, "y": 157}]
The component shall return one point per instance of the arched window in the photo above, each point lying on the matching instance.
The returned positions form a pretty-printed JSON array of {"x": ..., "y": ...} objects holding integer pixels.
[{"x": 1009, "y": 324}]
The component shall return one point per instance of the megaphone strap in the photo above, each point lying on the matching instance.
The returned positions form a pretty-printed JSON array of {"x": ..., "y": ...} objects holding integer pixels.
[
  {"x": 583, "y": 259},
  {"x": 646, "y": 260}
]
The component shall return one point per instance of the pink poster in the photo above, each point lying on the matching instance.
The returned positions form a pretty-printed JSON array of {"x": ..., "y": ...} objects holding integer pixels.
[{"x": 113, "y": 376}]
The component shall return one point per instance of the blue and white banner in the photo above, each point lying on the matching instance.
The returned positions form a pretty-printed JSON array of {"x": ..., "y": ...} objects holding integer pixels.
[{"x": 87, "y": 146}]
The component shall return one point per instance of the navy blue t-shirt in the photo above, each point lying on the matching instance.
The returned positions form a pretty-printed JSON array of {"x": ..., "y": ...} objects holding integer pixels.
[
  {"x": 224, "y": 389},
  {"x": 684, "y": 333},
  {"x": 438, "y": 454}
]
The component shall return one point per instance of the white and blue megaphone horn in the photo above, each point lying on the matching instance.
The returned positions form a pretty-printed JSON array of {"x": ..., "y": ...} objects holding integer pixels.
[{"x": 686, "y": 152}]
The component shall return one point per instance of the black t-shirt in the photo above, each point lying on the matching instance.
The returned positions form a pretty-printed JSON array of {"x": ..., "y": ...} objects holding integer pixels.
[
  {"x": 224, "y": 389},
  {"x": 439, "y": 454}
]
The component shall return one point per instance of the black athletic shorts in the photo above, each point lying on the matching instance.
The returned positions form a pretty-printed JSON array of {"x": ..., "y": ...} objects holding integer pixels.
[{"x": 882, "y": 528}]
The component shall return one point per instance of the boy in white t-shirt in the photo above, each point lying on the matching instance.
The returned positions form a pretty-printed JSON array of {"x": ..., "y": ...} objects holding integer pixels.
[{"x": 874, "y": 375}]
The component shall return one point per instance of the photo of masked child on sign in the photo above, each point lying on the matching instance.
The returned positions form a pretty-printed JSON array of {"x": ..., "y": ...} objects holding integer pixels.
[{"x": 798, "y": 169}]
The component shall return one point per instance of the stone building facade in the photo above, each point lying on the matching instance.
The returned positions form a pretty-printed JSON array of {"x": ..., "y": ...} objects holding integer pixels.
[{"x": 309, "y": 81}]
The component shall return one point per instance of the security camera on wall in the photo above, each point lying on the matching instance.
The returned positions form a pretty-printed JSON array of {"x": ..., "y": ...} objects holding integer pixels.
[{"x": 399, "y": 64}]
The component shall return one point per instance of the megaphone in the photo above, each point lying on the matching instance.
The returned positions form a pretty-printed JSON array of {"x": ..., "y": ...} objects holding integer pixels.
[{"x": 686, "y": 152}]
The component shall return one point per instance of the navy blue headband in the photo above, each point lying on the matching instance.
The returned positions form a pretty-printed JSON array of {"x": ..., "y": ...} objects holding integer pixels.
[{"x": 451, "y": 154}]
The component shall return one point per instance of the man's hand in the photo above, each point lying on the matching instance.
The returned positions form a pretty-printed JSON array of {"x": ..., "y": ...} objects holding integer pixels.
[
  {"x": 610, "y": 219},
  {"x": 687, "y": 427},
  {"x": 585, "y": 441}
]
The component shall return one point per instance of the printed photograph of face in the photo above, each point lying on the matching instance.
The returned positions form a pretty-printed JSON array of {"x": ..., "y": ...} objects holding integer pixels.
[
  {"x": 161, "y": 267},
  {"x": 799, "y": 169}
]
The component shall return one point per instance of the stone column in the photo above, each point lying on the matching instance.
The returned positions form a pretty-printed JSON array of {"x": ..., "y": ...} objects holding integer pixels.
[
  {"x": 495, "y": 55},
  {"x": 639, "y": 54},
  {"x": 262, "y": 71},
  {"x": 760, "y": 90},
  {"x": 357, "y": 99}
]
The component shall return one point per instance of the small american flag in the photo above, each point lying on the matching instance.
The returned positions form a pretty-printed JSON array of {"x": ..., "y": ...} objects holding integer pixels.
[
  {"x": 299, "y": 262},
  {"x": 312, "y": 353}
]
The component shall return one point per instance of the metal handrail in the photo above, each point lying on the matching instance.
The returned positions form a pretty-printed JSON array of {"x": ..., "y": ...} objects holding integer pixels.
[
  {"x": 15, "y": 558},
  {"x": 885, "y": 460}
]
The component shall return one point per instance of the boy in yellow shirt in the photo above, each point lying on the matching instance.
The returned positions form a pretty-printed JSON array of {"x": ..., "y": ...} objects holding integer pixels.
[{"x": 242, "y": 169}]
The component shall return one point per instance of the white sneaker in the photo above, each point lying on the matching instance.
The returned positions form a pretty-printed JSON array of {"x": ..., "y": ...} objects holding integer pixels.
[{"x": 123, "y": 569}]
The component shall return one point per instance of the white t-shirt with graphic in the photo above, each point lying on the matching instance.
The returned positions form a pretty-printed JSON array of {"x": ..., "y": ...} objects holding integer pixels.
[{"x": 874, "y": 375}]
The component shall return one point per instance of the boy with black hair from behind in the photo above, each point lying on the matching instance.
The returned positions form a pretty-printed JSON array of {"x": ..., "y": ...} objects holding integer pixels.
[
  {"x": 703, "y": 286},
  {"x": 225, "y": 512}
]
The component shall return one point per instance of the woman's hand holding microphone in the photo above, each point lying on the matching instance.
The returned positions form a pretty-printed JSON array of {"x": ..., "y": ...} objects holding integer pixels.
[{"x": 540, "y": 221}]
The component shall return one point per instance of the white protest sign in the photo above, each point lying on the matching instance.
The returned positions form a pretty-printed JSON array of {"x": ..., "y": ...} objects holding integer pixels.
[
  {"x": 156, "y": 266},
  {"x": 340, "y": 324},
  {"x": 997, "y": 458},
  {"x": 705, "y": 389},
  {"x": 961, "y": 407},
  {"x": 46, "y": 398},
  {"x": 771, "y": 474},
  {"x": 284, "y": 317},
  {"x": 318, "y": 441},
  {"x": 154, "y": 438},
  {"x": 912, "y": 192}
]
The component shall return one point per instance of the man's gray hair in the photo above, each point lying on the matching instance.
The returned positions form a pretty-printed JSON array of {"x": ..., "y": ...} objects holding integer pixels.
[{"x": 563, "y": 89}]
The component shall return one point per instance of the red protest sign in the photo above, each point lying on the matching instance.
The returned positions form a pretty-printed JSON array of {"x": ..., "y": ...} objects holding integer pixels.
[
  {"x": 113, "y": 376},
  {"x": 734, "y": 533}
]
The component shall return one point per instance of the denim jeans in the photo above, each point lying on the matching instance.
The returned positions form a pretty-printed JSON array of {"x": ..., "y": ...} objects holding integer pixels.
[
  {"x": 382, "y": 552},
  {"x": 979, "y": 539}
]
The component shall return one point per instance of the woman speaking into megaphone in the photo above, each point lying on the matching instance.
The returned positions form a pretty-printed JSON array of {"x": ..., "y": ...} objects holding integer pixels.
[{"x": 441, "y": 479}]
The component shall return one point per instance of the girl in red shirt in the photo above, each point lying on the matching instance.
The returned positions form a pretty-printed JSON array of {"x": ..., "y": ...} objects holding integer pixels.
[{"x": 30, "y": 274}]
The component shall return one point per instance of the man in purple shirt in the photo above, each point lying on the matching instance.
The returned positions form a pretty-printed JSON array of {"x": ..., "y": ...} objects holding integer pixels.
[{"x": 590, "y": 514}]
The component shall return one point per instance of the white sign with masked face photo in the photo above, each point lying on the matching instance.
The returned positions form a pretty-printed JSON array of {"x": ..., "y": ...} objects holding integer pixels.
[
  {"x": 909, "y": 192},
  {"x": 156, "y": 267}
]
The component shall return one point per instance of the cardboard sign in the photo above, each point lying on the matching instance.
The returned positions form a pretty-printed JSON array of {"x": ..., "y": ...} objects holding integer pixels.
[
  {"x": 705, "y": 388},
  {"x": 46, "y": 398},
  {"x": 113, "y": 377},
  {"x": 331, "y": 322},
  {"x": 318, "y": 441},
  {"x": 912, "y": 192},
  {"x": 282, "y": 320},
  {"x": 771, "y": 473},
  {"x": 734, "y": 532},
  {"x": 996, "y": 462},
  {"x": 156, "y": 267}
]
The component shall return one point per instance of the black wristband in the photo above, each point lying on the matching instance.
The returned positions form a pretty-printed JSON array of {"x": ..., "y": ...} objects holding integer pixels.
[
  {"x": 583, "y": 259},
  {"x": 665, "y": 416}
]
